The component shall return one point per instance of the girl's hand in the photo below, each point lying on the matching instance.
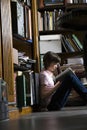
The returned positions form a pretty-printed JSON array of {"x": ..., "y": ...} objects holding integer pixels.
[{"x": 57, "y": 84}]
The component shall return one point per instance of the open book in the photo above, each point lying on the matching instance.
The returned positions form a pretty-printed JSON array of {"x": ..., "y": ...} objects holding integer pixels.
[{"x": 62, "y": 75}]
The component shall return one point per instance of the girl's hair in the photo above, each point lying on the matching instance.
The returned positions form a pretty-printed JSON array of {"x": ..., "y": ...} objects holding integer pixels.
[{"x": 50, "y": 57}]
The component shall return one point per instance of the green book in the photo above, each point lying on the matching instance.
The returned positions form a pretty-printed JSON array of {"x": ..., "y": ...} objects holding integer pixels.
[
  {"x": 21, "y": 90},
  {"x": 77, "y": 41}
]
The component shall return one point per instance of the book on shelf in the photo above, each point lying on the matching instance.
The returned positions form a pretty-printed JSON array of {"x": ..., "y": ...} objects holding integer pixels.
[
  {"x": 40, "y": 21},
  {"x": 67, "y": 45},
  {"x": 28, "y": 2},
  {"x": 79, "y": 1},
  {"x": 25, "y": 89},
  {"x": 30, "y": 87},
  {"x": 21, "y": 90},
  {"x": 48, "y": 19},
  {"x": 50, "y": 23},
  {"x": 53, "y": 2},
  {"x": 77, "y": 41},
  {"x": 76, "y": 64},
  {"x": 74, "y": 45},
  {"x": 30, "y": 25},
  {"x": 64, "y": 46},
  {"x": 55, "y": 18},
  {"x": 45, "y": 21}
]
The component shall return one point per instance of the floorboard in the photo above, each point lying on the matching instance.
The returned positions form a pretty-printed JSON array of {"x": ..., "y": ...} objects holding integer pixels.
[{"x": 69, "y": 118}]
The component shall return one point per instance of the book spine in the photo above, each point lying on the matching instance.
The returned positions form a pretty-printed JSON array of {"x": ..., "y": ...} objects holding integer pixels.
[
  {"x": 21, "y": 91},
  {"x": 32, "y": 89},
  {"x": 63, "y": 43},
  {"x": 50, "y": 21},
  {"x": 77, "y": 41},
  {"x": 67, "y": 44},
  {"x": 75, "y": 46},
  {"x": 40, "y": 21}
]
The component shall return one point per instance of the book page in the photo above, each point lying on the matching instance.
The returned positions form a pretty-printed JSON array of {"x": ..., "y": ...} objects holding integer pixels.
[{"x": 63, "y": 74}]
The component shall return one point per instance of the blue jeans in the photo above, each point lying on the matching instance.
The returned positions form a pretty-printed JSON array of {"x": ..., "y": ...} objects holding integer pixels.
[{"x": 60, "y": 96}]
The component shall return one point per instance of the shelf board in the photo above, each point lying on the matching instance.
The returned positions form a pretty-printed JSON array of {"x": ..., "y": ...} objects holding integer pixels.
[
  {"x": 58, "y": 31},
  {"x": 65, "y": 55},
  {"x": 21, "y": 39}
]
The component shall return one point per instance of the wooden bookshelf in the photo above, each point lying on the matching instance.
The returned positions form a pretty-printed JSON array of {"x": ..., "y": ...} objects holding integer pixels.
[
  {"x": 10, "y": 39},
  {"x": 58, "y": 31}
]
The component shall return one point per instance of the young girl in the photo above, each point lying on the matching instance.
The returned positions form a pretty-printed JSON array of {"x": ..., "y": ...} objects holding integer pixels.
[{"x": 54, "y": 95}]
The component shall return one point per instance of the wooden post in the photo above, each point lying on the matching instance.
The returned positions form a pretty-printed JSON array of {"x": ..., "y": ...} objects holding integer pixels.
[
  {"x": 7, "y": 47},
  {"x": 35, "y": 35},
  {"x": 0, "y": 51}
]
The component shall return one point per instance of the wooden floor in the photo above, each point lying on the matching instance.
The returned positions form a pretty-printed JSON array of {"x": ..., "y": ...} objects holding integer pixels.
[{"x": 69, "y": 118}]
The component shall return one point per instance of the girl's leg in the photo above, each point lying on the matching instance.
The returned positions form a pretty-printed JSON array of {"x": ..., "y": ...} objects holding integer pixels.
[
  {"x": 78, "y": 86},
  {"x": 60, "y": 97}
]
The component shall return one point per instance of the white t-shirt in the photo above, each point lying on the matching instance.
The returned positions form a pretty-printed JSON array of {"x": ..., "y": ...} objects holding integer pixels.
[{"x": 46, "y": 84}]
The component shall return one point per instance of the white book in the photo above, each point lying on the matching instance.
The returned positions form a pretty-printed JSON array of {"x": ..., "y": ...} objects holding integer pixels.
[{"x": 62, "y": 75}]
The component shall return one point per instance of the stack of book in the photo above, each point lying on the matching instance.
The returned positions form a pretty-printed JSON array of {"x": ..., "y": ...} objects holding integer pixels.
[{"x": 76, "y": 64}]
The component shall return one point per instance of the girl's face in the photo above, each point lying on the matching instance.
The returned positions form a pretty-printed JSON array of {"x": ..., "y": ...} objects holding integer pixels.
[{"x": 53, "y": 67}]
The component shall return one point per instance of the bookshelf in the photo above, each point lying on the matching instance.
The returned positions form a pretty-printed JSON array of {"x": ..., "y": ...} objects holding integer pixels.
[
  {"x": 21, "y": 15},
  {"x": 23, "y": 41},
  {"x": 68, "y": 15},
  {"x": 47, "y": 17},
  {"x": 11, "y": 37},
  {"x": 75, "y": 18},
  {"x": 58, "y": 11}
]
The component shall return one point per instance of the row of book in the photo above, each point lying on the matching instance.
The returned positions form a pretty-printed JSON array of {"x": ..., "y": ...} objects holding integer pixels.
[
  {"x": 71, "y": 43},
  {"x": 76, "y": 1},
  {"x": 60, "y": 2},
  {"x": 26, "y": 88},
  {"x": 77, "y": 65},
  {"x": 48, "y": 20},
  {"x": 43, "y": 3},
  {"x": 27, "y": 2},
  {"x": 53, "y": 2}
]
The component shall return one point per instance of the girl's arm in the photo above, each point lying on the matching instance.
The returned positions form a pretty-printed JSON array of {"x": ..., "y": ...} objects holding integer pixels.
[{"x": 48, "y": 91}]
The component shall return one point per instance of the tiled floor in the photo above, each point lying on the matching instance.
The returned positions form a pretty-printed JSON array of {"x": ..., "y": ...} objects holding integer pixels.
[{"x": 69, "y": 118}]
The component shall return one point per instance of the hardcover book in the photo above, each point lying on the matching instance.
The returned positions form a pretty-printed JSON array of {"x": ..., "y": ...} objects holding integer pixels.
[
  {"x": 67, "y": 45},
  {"x": 62, "y": 75},
  {"x": 21, "y": 90},
  {"x": 76, "y": 40}
]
